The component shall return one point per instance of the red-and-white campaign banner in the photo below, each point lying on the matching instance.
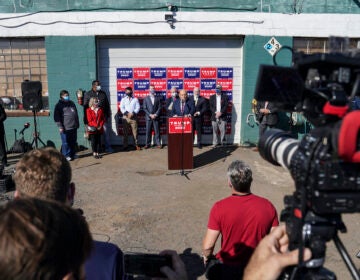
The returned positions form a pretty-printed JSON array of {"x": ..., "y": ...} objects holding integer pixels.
[
  {"x": 175, "y": 72},
  {"x": 121, "y": 85},
  {"x": 180, "y": 125},
  {"x": 208, "y": 72},
  {"x": 159, "y": 84},
  {"x": 142, "y": 73},
  {"x": 227, "y": 84},
  {"x": 189, "y": 84},
  {"x": 164, "y": 78}
]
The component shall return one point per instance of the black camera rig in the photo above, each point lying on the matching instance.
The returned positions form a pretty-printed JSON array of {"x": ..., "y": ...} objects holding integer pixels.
[{"x": 325, "y": 163}]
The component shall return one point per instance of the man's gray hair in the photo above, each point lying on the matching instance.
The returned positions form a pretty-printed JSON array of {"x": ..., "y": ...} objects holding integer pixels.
[{"x": 240, "y": 176}]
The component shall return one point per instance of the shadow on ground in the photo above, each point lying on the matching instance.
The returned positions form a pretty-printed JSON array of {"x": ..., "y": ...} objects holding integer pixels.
[{"x": 213, "y": 155}]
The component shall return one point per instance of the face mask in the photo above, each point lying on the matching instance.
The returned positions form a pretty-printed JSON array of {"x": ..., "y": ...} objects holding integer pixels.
[
  {"x": 196, "y": 94},
  {"x": 152, "y": 91},
  {"x": 66, "y": 98},
  {"x": 218, "y": 91},
  {"x": 98, "y": 88},
  {"x": 129, "y": 93},
  {"x": 173, "y": 93}
]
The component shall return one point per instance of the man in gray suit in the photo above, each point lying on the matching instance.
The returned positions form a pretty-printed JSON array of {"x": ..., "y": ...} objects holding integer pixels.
[{"x": 152, "y": 108}]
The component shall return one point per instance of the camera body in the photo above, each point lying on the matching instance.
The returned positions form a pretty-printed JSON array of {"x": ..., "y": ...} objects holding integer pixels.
[
  {"x": 325, "y": 163},
  {"x": 146, "y": 264}
]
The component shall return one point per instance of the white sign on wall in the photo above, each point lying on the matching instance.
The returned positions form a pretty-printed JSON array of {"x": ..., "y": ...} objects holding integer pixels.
[{"x": 272, "y": 46}]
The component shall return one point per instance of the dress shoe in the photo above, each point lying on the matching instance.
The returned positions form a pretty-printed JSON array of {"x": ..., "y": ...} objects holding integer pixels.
[
  {"x": 146, "y": 147},
  {"x": 159, "y": 146},
  {"x": 138, "y": 148},
  {"x": 199, "y": 147},
  {"x": 125, "y": 148}
]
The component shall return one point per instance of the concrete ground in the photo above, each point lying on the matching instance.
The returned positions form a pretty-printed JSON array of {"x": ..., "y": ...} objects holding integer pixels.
[{"x": 133, "y": 200}]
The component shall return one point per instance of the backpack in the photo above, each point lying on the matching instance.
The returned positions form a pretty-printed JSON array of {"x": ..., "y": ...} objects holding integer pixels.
[{"x": 20, "y": 146}]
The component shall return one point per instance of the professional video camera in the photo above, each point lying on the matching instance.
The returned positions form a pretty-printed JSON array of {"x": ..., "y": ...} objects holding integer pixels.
[{"x": 325, "y": 163}]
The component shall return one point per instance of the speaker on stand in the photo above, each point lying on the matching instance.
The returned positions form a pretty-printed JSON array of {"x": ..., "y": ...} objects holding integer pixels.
[{"x": 32, "y": 100}]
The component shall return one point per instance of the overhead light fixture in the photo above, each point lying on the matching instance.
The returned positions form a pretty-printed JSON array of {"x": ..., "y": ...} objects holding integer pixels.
[{"x": 171, "y": 7}]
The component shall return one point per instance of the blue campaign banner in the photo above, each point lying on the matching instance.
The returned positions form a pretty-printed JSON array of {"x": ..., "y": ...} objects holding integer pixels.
[
  {"x": 124, "y": 73},
  {"x": 229, "y": 94},
  {"x": 141, "y": 84},
  {"x": 158, "y": 73},
  {"x": 161, "y": 94},
  {"x": 207, "y": 84},
  {"x": 224, "y": 73},
  {"x": 191, "y": 72},
  {"x": 179, "y": 84}
]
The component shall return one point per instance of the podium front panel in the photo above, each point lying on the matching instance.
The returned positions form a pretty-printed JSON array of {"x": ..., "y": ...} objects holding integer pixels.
[{"x": 180, "y": 143}]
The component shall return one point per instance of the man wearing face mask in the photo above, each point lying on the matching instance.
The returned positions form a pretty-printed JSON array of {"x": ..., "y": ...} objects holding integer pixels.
[
  {"x": 130, "y": 107},
  {"x": 104, "y": 104},
  {"x": 67, "y": 120},
  {"x": 218, "y": 107},
  {"x": 201, "y": 106},
  {"x": 169, "y": 103},
  {"x": 152, "y": 107}
]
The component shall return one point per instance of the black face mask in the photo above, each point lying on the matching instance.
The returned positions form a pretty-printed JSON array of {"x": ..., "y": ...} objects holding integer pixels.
[{"x": 129, "y": 94}]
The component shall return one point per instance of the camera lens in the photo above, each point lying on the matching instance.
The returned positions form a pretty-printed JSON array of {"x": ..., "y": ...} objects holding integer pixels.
[{"x": 277, "y": 147}]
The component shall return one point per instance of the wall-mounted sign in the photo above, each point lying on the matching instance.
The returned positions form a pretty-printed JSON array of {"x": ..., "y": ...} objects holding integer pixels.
[{"x": 273, "y": 46}]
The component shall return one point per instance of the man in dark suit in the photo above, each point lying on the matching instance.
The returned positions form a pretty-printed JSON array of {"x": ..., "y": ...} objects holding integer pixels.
[
  {"x": 183, "y": 106},
  {"x": 152, "y": 107},
  {"x": 201, "y": 106},
  {"x": 3, "y": 157},
  {"x": 169, "y": 102},
  {"x": 218, "y": 107},
  {"x": 268, "y": 118}
]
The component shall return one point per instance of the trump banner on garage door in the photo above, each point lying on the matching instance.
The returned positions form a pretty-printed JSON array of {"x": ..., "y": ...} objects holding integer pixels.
[{"x": 164, "y": 78}]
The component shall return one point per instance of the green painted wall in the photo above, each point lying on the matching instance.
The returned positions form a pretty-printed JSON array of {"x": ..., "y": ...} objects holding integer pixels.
[
  {"x": 254, "y": 54},
  {"x": 274, "y": 6},
  {"x": 71, "y": 64}
]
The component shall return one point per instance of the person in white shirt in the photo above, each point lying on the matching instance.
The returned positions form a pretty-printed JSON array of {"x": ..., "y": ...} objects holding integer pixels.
[
  {"x": 218, "y": 106},
  {"x": 130, "y": 107}
]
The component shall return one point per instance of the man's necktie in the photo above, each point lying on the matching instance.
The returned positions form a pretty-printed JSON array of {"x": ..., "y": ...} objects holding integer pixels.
[{"x": 182, "y": 107}]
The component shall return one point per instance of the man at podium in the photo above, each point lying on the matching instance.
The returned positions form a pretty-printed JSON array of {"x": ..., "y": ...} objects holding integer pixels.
[{"x": 183, "y": 107}]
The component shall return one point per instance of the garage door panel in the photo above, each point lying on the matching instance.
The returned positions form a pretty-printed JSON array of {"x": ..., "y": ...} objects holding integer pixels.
[{"x": 169, "y": 52}]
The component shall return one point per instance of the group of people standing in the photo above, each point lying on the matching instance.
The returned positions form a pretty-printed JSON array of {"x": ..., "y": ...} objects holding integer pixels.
[{"x": 97, "y": 113}]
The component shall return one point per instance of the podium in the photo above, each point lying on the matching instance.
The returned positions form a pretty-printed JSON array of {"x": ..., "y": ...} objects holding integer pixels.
[{"x": 180, "y": 143}]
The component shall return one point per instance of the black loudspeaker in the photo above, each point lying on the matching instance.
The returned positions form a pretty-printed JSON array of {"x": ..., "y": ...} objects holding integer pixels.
[{"x": 32, "y": 95}]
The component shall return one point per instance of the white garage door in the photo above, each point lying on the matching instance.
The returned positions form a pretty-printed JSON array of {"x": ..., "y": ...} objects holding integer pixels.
[{"x": 116, "y": 53}]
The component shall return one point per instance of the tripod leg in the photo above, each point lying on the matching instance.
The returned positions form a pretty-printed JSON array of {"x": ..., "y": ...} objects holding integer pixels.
[{"x": 346, "y": 258}]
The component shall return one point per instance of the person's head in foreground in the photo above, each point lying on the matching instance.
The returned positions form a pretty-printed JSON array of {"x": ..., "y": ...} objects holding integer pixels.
[
  {"x": 45, "y": 174},
  {"x": 42, "y": 240}
]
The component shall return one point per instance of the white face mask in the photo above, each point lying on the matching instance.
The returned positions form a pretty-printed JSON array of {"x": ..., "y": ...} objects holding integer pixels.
[
  {"x": 173, "y": 93},
  {"x": 98, "y": 88}
]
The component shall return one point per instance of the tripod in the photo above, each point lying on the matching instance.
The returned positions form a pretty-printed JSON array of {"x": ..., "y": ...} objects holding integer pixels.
[
  {"x": 36, "y": 136},
  {"x": 313, "y": 232}
]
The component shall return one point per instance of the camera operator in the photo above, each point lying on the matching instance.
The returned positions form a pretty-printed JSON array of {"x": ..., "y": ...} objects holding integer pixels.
[{"x": 272, "y": 256}]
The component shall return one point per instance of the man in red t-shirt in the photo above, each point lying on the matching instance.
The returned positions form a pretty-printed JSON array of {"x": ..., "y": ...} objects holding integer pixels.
[{"x": 242, "y": 219}]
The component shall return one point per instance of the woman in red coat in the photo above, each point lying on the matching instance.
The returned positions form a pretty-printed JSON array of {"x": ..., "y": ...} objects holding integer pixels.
[{"x": 96, "y": 119}]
